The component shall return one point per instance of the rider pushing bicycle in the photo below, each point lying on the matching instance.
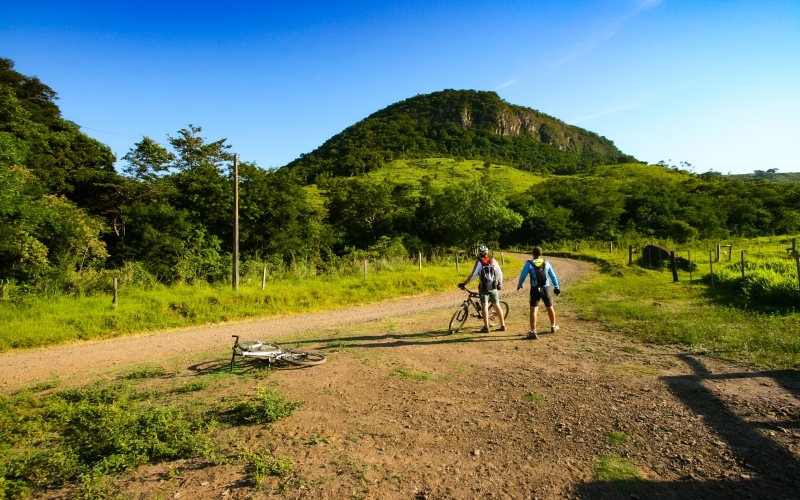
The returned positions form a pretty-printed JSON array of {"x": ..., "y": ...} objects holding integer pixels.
[{"x": 490, "y": 282}]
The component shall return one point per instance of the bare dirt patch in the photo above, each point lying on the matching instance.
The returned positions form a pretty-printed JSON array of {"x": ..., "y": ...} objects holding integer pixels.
[{"x": 404, "y": 410}]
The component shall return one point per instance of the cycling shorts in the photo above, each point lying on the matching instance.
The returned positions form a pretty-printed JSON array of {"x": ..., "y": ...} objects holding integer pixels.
[{"x": 545, "y": 294}]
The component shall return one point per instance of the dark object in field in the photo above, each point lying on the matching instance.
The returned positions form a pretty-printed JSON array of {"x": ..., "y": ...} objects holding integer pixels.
[{"x": 654, "y": 256}]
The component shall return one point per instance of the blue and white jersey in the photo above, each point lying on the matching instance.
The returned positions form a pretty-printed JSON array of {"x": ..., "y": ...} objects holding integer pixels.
[{"x": 528, "y": 270}]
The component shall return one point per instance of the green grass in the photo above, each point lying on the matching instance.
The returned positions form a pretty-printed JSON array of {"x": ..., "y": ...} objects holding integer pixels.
[
  {"x": 649, "y": 306},
  {"x": 534, "y": 398},
  {"x": 616, "y": 438},
  {"x": 87, "y": 436},
  {"x": 36, "y": 322},
  {"x": 445, "y": 171},
  {"x": 411, "y": 374},
  {"x": 611, "y": 468}
]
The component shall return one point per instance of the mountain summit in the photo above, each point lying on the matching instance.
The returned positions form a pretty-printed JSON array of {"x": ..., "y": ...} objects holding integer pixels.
[{"x": 460, "y": 123}]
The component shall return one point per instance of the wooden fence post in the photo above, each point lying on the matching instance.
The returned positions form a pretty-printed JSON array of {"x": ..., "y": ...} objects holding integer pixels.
[
  {"x": 674, "y": 267},
  {"x": 456, "y": 262},
  {"x": 365, "y": 269},
  {"x": 796, "y": 259},
  {"x": 420, "y": 261},
  {"x": 114, "y": 301},
  {"x": 630, "y": 255},
  {"x": 610, "y": 247},
  {"x": 717, "y": 247},
  {"x": 690, "y": 265},
  {"x": 502, "y": 259},
  {"x": 264, "y": 279}
]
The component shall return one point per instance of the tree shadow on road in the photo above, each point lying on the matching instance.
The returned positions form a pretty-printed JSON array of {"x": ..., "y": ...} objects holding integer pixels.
[{"x": 768, "y": 469}]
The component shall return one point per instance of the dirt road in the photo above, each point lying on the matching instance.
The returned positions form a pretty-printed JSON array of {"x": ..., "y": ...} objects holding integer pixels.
[{"x": 404, "y": 410}]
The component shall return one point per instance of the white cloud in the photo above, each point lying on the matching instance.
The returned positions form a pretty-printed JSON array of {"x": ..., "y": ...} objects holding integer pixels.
[{"x": 507, "y": 84}]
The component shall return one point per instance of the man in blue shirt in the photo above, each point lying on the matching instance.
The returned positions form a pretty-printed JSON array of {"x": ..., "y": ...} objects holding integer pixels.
[{"x": 543, "y": 280}]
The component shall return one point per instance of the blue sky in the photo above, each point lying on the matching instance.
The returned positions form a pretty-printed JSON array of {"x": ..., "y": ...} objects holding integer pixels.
[{"x": 714, "y": 83}]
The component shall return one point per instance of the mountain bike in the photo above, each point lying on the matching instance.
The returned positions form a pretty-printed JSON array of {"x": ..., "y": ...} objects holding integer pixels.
[
  {"x": 273, "y": 354},
  {"x": 473, "y": 301}
]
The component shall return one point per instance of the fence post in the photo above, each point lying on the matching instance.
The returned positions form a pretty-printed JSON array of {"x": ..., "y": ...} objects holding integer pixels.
[
  {"x": 456, "y": 262},
  {"x": 711, "y": 264},
  {"x": 610, "y": 247},
  {"x": 420, "y": 261},
  {"x": 717, "y": 247},
  {"x": 502, "y": 259},
  {"x": 690, "y": 265},
  {"x": 674, "y": 267},
  {"x": 114, "y": 301},
  {"x": 630, "y": 255},
  {"x": 796, "y": 259},
  {"x": 264, "y": 279},
  {"x": 365, "y": 269}
]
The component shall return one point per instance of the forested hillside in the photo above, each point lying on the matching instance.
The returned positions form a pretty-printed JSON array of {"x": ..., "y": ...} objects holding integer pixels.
[
  {"x": 444, "y": 171},
  {"x": 460, "y": 124}
]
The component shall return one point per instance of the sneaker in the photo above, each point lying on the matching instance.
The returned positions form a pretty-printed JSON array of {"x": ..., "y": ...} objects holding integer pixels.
[
  {"x": 533, "y": 335},
  {"x": 502, "y": 328},
  {"x": 484, "y": 330},
  {"x": 554, "y": 328}
]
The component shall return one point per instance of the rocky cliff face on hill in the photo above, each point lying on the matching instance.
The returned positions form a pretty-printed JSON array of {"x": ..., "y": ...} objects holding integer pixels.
[{"x": 460, "y": 123}]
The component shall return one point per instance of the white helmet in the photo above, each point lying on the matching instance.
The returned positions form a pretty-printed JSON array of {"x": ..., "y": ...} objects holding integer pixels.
[{"x": 483, "y": 250}]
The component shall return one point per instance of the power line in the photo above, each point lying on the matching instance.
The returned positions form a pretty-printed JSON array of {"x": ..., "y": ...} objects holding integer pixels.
[{"x": 106, "y": 132}]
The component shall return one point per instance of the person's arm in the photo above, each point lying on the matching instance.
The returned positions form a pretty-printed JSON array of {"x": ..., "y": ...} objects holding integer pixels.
[
  {"x": 553, "y": 278},
  {"x": 524, "y": 274},
  {"x": 498, "y": 272},
  {"x": 475, "y": 270}
]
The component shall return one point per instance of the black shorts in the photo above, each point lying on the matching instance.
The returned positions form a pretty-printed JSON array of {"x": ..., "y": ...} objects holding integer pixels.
[{"x": 544, "y": 294}]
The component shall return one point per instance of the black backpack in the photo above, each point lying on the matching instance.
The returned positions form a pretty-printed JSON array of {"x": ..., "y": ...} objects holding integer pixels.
[
  {"x": 488, "y": 279},
  {"x": 539, "y": 274}
]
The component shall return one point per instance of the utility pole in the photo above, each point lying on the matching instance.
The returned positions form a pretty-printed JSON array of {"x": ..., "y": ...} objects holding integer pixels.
[{"x": 235, "y": 278}]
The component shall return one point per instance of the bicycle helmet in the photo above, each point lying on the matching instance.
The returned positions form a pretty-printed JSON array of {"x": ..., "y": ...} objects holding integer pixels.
[{"x": 483, "y": 250}]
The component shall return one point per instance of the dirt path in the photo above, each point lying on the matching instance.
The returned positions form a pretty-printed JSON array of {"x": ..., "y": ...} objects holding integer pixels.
[
  {"x": 85, "y": 358},
  {"x": 403, "y": 410}
]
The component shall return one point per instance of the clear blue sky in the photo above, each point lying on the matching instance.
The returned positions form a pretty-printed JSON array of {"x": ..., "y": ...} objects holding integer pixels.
[{"x": 715, "y": 83}]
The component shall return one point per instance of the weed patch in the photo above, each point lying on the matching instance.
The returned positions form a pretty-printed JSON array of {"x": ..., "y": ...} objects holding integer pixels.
[
  {"x": 533, "y": 398},
  {"x": 612, "y": 468},
  {"x": 267, "y": 406},
  {"x": 411, "y": 374}
]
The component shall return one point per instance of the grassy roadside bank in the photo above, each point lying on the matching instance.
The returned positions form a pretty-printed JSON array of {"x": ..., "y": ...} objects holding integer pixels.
[
  {"x": 37, "y": 322},
  {"x": 647, "y": 305}
]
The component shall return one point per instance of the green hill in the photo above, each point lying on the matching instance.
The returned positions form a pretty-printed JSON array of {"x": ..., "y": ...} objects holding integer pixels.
[{"x": 460, "y": 124}]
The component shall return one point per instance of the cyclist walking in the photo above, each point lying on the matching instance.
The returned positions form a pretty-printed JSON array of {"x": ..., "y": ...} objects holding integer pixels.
[
  {"x": 490, "y": 282},
  {"x": 543, "y": 280}
]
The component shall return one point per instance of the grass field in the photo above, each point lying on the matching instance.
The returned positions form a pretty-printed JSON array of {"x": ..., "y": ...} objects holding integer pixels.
[
  {"x": 445, "y": 171},
  {"x": 726, "y": 321}
]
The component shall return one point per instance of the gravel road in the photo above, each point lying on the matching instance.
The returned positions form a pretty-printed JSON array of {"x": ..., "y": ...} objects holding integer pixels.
[{"x": 20, "y": 367}]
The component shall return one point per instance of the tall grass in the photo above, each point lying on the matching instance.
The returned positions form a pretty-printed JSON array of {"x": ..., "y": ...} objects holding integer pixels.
[
  {"x": 31, "y": 321},
  {"x": 648, "y": 305},
  {"x": 769, "y": 283}
]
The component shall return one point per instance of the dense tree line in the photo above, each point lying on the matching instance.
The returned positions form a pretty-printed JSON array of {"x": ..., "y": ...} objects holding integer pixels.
[{"x": 65, "y": 211}]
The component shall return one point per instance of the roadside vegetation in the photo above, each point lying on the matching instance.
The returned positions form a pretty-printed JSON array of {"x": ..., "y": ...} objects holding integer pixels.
[
  {"x": 31, "y": 321},
  {"x": 87, "y": 437},
  {"x": 755, "y": 321}
]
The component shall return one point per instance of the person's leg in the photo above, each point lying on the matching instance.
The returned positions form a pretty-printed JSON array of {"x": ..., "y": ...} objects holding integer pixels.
[
  {"x": 551, "y": 312},
  {"x": 499, "y": 310},
  {"x": 534, "y": 316},
  {"x": 485, "y": 312}
]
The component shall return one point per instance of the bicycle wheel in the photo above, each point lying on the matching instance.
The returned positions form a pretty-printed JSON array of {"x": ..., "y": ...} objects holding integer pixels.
[
  {"x": 458, "y": 319},
  {"x": 503, "y": 307},
  {"x": 303, "y": 358}
]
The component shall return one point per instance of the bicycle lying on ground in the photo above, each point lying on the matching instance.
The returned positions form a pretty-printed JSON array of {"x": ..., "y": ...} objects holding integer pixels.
[
  {"x": 273, "y": 354},
  {"x": 473, "y": 300}
]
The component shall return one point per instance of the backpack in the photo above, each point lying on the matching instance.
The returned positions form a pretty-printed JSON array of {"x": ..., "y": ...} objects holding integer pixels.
[
  {"x": 539, "y": 274},
  {"x": 487, "y": 277}
]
